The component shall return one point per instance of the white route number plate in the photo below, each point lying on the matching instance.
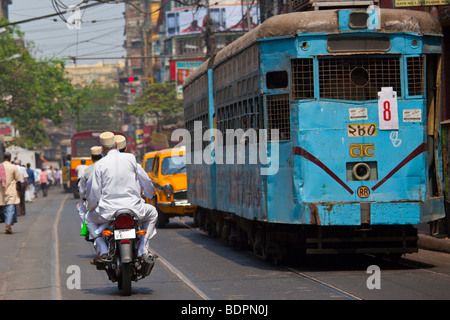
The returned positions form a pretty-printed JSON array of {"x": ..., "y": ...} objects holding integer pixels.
[
  {"x": 121, "y": 234},
  {"x": 387, "y": 109}
]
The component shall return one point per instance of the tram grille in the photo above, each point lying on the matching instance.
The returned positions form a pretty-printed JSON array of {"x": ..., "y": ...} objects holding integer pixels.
[
  {"x": 415, "y": 76},
  {"x": 278, "y": 117},
  {"x": 302, "y": 74},
  {"x": 358, "y": 78}
]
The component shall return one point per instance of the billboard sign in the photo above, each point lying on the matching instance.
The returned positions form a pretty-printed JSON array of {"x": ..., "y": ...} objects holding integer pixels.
[
  {"x": 419, "y": 3},
  {"x": 183, "y": 69},
  {"x": 6, "y": 129},
  {"x": 224, "y": 18}
]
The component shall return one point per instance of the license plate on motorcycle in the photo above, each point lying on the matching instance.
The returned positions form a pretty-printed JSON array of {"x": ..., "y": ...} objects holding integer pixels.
[{"x": 124, "y": 234}]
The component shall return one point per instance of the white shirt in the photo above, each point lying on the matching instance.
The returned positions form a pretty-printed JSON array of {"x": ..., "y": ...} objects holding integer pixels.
[
  {"x": 23, "y": 173},
  {"x": 116, "y": 184},
  {"x": 83, "y": 180},
  {"x": 80, "y": 170}
]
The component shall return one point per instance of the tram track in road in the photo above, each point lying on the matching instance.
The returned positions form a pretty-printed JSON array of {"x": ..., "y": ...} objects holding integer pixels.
[
  {"x": 325, "y": 284},
  {"x": 348, "y": 277},
  {"x": 405, "y": 266},
  {"x": 298, "y": 272},
  {"x": 408, "y": 263},
  {"x": 181, "y": 276}
]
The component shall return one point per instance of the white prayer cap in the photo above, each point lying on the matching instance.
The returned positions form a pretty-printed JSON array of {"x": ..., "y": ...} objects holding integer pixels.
[
  {"x": 121, "y": 142},
  {"x": 96, "y": 150},
  {"x": 107, "y": 139}
]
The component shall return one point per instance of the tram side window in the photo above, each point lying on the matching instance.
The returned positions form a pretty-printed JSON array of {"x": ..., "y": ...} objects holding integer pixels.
[
  {"x": 278, "y": 117},
  {"x": 415, "y": 76},
  {"x": 302, "y": 75},
  {"x": 277, "y": 79}
]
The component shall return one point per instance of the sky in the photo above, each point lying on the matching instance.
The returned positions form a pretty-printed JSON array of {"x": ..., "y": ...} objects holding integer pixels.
[{"x": 100, "y": 39}]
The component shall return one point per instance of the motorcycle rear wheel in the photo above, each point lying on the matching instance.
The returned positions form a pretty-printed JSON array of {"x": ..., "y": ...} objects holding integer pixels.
[{"x": 124, "y": 282}]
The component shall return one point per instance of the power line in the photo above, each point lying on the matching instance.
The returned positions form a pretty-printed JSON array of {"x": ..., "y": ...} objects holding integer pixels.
[
  {"x": 59, "y": 13},
  {"x": 84, "y": 34},
  {"x": 135, "y": 57},
  {"x": 48, "y": 15}
]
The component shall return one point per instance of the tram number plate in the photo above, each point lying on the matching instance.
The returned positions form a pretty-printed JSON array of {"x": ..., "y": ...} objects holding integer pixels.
[{"x": 362, "y": 129}]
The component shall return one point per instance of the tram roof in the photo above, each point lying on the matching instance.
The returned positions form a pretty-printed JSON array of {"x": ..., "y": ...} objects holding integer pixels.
[{"x": 326, "y": 21}]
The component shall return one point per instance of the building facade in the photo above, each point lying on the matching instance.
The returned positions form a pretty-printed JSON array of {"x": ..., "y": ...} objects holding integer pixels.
[{"x": 104, "y": 74}]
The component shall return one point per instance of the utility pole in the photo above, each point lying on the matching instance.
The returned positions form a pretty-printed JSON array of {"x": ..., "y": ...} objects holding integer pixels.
[
  {"x": 249, "y": 18},
  {"x": 266, "y": 8},
  {"x": 148, "y": 45},
  {"x": 210, "y": 39}
]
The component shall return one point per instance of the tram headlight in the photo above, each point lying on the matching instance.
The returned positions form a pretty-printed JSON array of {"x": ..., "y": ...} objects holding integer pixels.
[
  {"x": 361, "y": 171},
  {"x": 358, "y": 20},
  {"x": 168, "y": 190}
]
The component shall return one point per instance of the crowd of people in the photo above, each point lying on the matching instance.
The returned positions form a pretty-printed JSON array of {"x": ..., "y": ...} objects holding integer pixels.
[
  {"x": 42, "y": 180},
  {"x": 21, "y": 184}
]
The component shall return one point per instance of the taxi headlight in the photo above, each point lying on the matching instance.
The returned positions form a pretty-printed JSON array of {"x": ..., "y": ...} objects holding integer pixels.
[{"x": 168, "y": 190}]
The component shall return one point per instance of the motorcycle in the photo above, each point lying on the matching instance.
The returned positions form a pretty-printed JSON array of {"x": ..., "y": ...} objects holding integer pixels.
[{"x": 122, "y": 264}]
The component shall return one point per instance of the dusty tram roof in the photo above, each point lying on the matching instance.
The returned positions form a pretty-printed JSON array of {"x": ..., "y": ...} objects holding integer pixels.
[{"x": 326, "y": 21}]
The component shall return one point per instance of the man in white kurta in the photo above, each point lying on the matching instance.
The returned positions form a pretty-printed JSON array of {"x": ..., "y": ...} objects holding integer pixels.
[
  {"x": 96, "y": 154},
  {"x": 115, "y": 184}
]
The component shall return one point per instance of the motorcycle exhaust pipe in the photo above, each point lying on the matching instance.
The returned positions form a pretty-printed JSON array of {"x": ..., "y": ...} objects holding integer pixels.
[{"x": 147, "y": 265}]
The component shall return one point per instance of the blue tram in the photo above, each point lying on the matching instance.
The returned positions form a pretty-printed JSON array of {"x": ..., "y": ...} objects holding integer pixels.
[{"x": 318, "y": 132}]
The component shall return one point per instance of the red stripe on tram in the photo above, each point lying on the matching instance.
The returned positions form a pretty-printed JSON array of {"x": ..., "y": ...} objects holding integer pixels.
[
  {"x": 305, "y": 154},
  {"x": 420, "y": 149}
]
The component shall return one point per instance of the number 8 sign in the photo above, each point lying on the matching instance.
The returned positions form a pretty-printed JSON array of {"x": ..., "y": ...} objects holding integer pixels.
[{"x": 387, "y": 109}]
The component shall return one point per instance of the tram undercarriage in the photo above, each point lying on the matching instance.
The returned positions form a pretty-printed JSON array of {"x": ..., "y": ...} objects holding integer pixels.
[{"x": 280, "y": 242}]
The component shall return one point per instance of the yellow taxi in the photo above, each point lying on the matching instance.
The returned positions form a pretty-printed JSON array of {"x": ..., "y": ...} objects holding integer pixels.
[
  {"x": 147, "y": 164},
  {"x": 147, "y": 161},
  {"x": 168, "y": 174}
]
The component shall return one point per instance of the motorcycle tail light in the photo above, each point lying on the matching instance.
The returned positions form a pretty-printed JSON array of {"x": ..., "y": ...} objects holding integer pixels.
[{"x": 124, "y": 221}]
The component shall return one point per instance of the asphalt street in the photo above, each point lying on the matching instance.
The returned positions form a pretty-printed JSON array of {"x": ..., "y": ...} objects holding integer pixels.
[{"x": 46, "y": 259}]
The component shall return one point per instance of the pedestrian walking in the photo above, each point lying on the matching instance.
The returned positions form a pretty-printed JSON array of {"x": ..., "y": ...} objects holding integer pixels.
[
  {"x": 58, "y": 178},
  {"x": 37, "y": 181},
  {"x": 43, "y": 179},
  {"x": 8, "y": 191},
  {"x": 31, "y": 182},
  {"x": 51, "y": 178},
  {"x": 21, "y": 188}
]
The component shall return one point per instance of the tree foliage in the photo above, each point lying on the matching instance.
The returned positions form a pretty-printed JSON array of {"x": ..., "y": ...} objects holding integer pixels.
[
  {"x": 94, "y": 108},
  {"x": 158, "y": 100},
  {"x": 30, "y": 89}
]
